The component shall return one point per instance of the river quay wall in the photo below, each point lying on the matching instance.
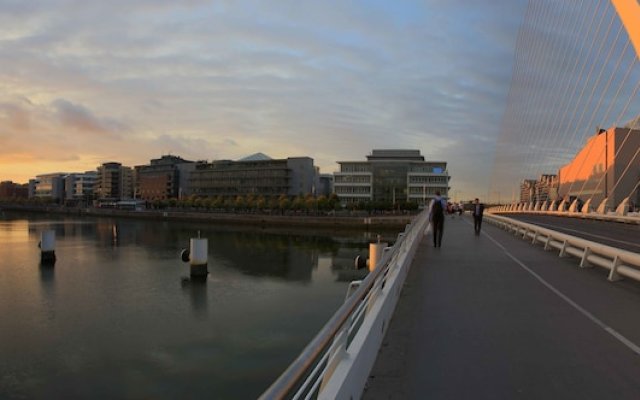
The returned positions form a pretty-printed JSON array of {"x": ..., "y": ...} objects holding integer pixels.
[{"x": 261, "y": 220}]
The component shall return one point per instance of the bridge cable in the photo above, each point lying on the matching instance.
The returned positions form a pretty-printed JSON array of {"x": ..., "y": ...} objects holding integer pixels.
[
  {"x": 635, "y": 91},
  {"x": 604, "y": 64},
  {"x": 538, "y": 157},
  {"x": 605, "y": 118},
  {"x": 570, "y": 93},
  {"x": 536, "y": 127},
  {"x": 515, "y": 88}
]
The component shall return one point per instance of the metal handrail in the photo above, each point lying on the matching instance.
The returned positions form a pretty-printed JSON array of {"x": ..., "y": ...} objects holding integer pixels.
[
  {"x": 618, "y": 261},
  {"x": 298, "y": 369}
]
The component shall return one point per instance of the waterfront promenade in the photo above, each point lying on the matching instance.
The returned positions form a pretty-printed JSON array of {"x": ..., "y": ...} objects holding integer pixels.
[{"x": 493, "y": 317}]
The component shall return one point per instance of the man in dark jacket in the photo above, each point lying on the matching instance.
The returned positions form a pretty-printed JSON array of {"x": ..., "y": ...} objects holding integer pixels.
[
  {"x": 477, "y": 211},
  {"x": 436, "y": 217}
]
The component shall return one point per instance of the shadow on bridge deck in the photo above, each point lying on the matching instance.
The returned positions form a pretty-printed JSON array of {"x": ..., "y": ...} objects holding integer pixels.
[{"x": 477, "y": 321}]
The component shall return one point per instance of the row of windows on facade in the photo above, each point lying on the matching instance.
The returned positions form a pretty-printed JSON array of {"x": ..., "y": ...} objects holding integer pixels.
[
  {"x": 411, "y": 190},
  {"x": 360, "y": 168},
  {"x": 412, "y": 179}
]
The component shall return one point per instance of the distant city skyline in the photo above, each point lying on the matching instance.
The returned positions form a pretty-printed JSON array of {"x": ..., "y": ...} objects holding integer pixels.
[{"x": 91, "y": 82}]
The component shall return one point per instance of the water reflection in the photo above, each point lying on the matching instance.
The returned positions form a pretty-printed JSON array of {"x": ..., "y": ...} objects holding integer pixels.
[
  {"x": 48, "y": 290},
  {"x": 292, "y": 257},
  {"x": 47, "y": 274},
  {"x": 267, "y": 295},
  {"x": 196, "y": 288}
]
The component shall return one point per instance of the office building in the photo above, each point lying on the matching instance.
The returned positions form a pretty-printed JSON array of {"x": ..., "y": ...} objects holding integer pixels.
[
  {"x": 325, "y": 185},
  {"x": 114, "y": 182},
  {"x": 160, "y": 179},
  {"x": 528, "y": 190},
  {"x": 257, "y": 175},
  {"x": 79, "y": 187},
  {"x": 391, "y": 176},
  {"x": 12, "y": 190},
  {"x": 546, "y": 188},
  {"x": 48, "y": 186}
]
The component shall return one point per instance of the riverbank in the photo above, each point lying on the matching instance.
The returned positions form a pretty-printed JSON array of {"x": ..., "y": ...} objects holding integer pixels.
[{"x": 260, "y": 220}]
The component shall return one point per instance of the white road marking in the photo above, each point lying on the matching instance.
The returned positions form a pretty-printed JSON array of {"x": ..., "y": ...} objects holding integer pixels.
[{"x": 634, "y": 347}]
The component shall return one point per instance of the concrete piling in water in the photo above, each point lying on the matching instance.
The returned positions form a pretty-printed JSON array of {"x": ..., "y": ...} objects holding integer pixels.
[
  {"x": 48, "y": 247},
  {"x": 198, "y": 249},
  {"x": 196, "y": 256},
  {"x": 375, "y": 253}
]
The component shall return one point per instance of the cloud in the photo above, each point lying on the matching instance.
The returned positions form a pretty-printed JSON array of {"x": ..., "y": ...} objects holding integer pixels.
[
  {"x": 207, "y": 80},
  {"x": 78, "y": 118}
]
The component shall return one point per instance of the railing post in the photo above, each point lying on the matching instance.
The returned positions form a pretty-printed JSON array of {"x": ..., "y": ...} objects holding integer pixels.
[
  {"x": 547, "y": 242},
  {"x": 337, "y": 353},
  {"x": 613, "y": 274},
  {"x": 563, "y": 250},
  {"x": 584, "y": 261}
]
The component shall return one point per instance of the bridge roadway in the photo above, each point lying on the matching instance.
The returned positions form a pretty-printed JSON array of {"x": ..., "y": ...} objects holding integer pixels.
[
  {"x": 615, "y": 234},
  {"x": 494, "y": 317}
]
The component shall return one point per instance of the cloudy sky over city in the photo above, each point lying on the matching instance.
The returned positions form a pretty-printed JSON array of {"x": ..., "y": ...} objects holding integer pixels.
[{"x": 84, "y": 82}]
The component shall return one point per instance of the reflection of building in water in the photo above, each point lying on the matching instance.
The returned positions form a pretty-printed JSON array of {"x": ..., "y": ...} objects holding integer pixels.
[
  {"x": 116, "y": 232},
  {"x": 285, "y": 256},
  {"x": 68, "y": 228},
  {"x": 598, "y": 170}
]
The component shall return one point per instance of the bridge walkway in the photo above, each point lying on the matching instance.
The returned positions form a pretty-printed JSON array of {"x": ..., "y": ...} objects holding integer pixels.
[{"x": 493, "y": 317}]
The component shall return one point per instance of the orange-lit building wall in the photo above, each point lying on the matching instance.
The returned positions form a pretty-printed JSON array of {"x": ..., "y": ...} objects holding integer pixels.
[{"x": 598, "y": 170}]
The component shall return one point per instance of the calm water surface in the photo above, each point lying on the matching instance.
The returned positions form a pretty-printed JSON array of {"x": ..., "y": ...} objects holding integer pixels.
[{"x": 119, "y": 317}]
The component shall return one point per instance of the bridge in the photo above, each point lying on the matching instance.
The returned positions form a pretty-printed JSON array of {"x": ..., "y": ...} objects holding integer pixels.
[
  {"x": 542, "y": 304},
  {"x": 495, "y": 317}
]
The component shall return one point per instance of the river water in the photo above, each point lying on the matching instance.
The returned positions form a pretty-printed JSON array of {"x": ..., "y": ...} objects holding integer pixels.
[{"x": 118, "y": 316}]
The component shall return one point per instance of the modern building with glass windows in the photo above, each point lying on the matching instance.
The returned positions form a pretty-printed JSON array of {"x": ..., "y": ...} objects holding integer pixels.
[
  {"x": 114, "y": 182},
  {"x": 257, "y": 175},
  {"x": 391, "y": 176},
  {"x": 160, "y": 179},
  {"x": 79, "y": 186},
  {"x": 50, "y": 186}
]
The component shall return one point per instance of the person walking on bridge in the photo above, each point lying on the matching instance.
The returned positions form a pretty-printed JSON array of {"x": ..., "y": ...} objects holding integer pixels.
[
  {"x": 436, "y": 217},
  {"x": 477, "y": 211}
]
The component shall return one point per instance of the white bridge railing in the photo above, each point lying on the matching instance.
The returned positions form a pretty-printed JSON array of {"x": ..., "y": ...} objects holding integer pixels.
[
  {"x": 337, "y": 362},
  {"x": 621, "y": 214},
  {"x": 620, "y": 263}
]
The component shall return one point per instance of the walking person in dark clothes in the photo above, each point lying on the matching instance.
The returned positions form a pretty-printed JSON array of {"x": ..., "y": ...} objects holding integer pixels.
[
  {"x": 436, "y": 217},
  {"x": 477, "y": 211}
]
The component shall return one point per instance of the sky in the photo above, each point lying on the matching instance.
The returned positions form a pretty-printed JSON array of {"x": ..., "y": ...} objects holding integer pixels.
[
  {"x": 575, "y": 72},
  {"x": 86, "y": 82}
]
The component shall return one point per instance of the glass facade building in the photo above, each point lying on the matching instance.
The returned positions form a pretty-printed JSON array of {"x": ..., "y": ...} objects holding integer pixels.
[
  {"x": 391, "y": 176},
  {"x": 260, "y": 177}
]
